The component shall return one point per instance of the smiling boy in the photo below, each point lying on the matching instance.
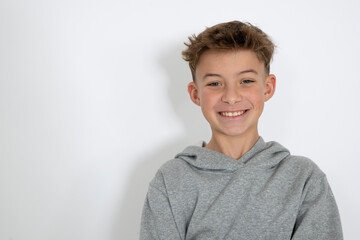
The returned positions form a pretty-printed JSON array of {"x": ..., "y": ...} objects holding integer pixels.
[
  {"x": 231, "y": 88},
  {"x": 237, "y": 186}
]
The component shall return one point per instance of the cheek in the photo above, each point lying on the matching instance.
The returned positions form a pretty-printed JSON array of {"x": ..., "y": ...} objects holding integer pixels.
[
  {"x": 208, "y": 98},
  {"x": 257, "y": 98}
]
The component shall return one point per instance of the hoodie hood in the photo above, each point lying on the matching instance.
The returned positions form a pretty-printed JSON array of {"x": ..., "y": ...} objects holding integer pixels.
[{"x": 263, "y": 155}]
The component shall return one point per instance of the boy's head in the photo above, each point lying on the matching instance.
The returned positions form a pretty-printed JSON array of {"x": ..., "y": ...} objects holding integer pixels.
[
  {"x": 233, "y": 35},
  {"x": 231, "y": 81}
]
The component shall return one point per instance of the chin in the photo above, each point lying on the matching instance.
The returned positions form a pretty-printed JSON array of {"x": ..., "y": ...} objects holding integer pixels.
[{"x": 232, "y": 132}]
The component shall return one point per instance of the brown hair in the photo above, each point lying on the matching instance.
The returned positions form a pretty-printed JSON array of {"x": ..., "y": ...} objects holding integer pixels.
[{"x": 229, "y": 36}]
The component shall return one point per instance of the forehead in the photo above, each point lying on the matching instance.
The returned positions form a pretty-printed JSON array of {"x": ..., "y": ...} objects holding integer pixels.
[{"x": 228, "y": 61}]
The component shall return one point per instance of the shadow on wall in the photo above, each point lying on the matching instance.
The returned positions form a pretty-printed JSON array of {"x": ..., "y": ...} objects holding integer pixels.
[{"x": 127, "y": 222}]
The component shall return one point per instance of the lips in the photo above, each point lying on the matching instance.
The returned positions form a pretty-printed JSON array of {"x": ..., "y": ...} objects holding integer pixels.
[{"x": 232, "y": 113}]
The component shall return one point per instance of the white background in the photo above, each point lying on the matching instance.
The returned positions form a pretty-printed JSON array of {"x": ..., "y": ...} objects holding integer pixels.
[{"x": 93, "y": 100}]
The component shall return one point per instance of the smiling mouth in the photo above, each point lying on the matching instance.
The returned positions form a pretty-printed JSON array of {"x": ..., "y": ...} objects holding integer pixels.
[{"x": 232, "y": 114}]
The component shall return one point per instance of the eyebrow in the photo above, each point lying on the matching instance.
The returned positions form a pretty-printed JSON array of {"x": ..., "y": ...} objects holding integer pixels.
[
  {"x": 248, "y": 71},
  {"x": 218, "y": 75}
]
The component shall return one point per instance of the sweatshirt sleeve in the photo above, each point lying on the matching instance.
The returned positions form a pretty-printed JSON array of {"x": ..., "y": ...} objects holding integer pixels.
[
  {"x": 318, "y": 216},
  {"x": 157, "y": 220}
]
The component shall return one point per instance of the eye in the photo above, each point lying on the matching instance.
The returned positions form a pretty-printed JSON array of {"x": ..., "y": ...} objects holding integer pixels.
[
  {"x": 247, "y": 81},
  {"x": 214, "y": 84}
]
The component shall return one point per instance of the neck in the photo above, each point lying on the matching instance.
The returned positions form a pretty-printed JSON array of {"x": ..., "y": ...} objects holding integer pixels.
[{"x": 232, "y": 146}]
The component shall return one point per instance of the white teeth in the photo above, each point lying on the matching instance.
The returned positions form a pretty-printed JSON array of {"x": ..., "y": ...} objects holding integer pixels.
[{"x": 232, "y": 114}]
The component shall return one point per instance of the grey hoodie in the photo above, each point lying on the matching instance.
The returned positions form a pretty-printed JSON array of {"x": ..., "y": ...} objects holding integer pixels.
[{"x": 266, "y": 194}]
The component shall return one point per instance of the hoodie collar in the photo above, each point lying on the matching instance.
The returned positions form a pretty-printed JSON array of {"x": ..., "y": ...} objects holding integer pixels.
[{"x": 262, "y": 154}]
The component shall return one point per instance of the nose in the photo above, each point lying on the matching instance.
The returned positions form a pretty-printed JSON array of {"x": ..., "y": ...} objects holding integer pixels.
[{"x": 231, "y": 95}]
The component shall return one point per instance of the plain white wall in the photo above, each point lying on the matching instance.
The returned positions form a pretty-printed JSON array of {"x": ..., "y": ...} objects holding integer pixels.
[{"x": 93, "y": 100}]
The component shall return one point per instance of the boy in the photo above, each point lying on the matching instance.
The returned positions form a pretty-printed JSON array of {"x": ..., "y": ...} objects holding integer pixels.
[{"x": 237, "y": 186}]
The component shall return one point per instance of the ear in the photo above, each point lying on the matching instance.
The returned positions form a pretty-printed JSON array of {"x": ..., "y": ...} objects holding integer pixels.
[
  {"x": 194, "y": 93},
  {"x": 270, "y": 85}
]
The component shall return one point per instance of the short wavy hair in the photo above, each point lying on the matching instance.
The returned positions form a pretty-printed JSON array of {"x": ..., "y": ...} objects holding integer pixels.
[{"x": 233, "y": 35}]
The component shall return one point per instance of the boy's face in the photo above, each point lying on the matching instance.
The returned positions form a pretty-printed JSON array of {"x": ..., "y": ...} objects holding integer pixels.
[{"x": 231, "y": 88}]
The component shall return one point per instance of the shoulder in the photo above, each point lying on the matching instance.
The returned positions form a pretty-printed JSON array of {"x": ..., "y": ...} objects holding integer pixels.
[
  {"x": 302, "y": 163},
  {"x": 304, "y": 176},
  {"x": 302, "y": 170},
  {"x": 172, "y": 171},
  {"x": 174, "y": 166}
]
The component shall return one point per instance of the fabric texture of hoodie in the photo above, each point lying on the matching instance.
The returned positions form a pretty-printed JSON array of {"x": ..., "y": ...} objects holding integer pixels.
[{"x": 266, "y": 194}]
